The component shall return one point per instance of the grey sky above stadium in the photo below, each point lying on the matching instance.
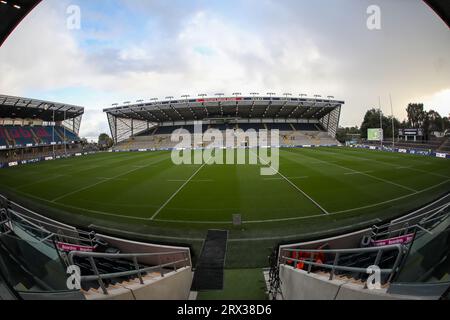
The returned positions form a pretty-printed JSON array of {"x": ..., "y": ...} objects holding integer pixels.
[{"x": 140, "y": 49}]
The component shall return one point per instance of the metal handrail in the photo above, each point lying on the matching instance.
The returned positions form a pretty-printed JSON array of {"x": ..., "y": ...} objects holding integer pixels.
[
  {"x": 427, "y": 214},
  {"x": 119, "y": 255},
  {"x": 337, "y": 252},
  {"x": 138, "y": 270},
  {"x": 27, "y": 222},
  {"x": 129, "y": 273},
  {"x": 26, "y": 217},
  {"x": 430, "y": 215},
  {"x": 351, "y": 250},
  {"x": 46, "y": 235}
]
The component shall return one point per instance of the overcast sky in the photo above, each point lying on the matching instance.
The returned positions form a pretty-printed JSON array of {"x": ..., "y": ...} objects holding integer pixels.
[{"x": 140, "y": 49}]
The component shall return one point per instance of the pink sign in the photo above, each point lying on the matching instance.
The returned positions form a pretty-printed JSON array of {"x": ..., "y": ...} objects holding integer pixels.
[
  {"x": 397, "y": 240},
  {"x": 73, "y": 247}
]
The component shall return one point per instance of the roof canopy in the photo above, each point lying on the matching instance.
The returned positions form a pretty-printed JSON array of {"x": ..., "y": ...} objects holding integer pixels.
[
  {"x": 226, "y": 107},
  {"x": 12, "y": 13},
  {"x": 25, "y": 108}
]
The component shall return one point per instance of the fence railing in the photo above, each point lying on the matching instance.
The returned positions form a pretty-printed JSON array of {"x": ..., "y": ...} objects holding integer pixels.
[
  {"x": 409, "y": 224},
  {"x": 41, "y": 230},
  {"x": 286, "y": 255},
  {"x": 181, "y": 262}
]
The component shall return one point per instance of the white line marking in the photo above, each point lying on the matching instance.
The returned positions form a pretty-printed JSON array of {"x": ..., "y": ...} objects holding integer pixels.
[
  {"x": 226, "y": 222},
  {"x": 103, "y": 181},
  {"x": 117, "y": 179},
  {"x": 291, "y": 178},
  {"x": 315, "y": 216},
  {"x": 357, "y": 172},
  {"x": 179, "y": 189},
  {"x": 395, "y": 165},
  {"x": 38, "y": 181},
  {"x": 293, "y": 184},
  {"x": 364, "y": 174},
  {"x": 391, "y": 200},
  {"x": 205, "y": 180}
]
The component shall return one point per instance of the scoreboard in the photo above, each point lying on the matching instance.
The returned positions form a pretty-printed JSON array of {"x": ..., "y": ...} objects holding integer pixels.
[
  {"x": 410, "y": 132},
  {"x": 375, "y": 134}
]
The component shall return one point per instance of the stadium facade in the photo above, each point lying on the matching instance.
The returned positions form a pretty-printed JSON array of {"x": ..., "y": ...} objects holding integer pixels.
[{"x": 238, "y": 112}]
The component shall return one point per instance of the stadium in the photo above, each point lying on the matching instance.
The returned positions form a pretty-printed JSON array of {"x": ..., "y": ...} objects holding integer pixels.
[{"x": 139, "y": 226}]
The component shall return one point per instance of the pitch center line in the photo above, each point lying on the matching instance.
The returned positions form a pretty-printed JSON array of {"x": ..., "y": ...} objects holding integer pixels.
[
  {"x": 103, "y": 181},
  {"x": 294, "y": 185},
  {"x": 179, "y": 189}
]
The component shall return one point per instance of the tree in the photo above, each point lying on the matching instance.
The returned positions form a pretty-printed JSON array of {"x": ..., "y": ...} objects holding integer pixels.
[
  {"x": 416, "y": 115},
  {"x": 345, "y": 134},
  {"x": 445, "y": 123},
  {"x": 435, "y": 120},
  {"x": 105, "y": 141},
  {"x": 371, "y": 120},
  {"x": 387, "y": 126}
]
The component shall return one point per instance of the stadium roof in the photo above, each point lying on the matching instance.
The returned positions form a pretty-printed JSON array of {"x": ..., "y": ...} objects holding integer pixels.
[
  {"x": 226, "y": 107},
  {"x": 12, "y": 13},
  {"x": 442, "y": 8},
  {"x": 25, "y": 108}
]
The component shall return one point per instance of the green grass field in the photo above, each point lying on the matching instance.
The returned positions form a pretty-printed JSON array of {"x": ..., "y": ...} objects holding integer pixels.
[{"x": 317, "y": 191}]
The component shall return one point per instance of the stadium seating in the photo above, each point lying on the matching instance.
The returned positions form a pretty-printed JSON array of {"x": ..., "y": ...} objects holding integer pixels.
[
  {"x": 248, "y": 126},
  {"x": 291, "y": 135},
  {"x": 23, "y": 136},
  {"x": 280, "y": 126},
  {"x": 307, "y": 127}
]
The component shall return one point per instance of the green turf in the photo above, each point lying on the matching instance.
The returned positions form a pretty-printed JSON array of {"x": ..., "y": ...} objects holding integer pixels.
[
  {"x": 239, "y": 284},
  {"x": 144, "y": 195}
]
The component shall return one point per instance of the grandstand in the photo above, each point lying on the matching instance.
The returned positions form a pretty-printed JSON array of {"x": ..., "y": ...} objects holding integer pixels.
[
  {"x": 411, "y": 253},
  {"x": 301, "y": 121},
  {"x": 32, "y": 128},
  {"x": 35, "y": 253}
]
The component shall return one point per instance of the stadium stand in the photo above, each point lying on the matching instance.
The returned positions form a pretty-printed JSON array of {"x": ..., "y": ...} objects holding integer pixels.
[
  {"x": 33, "y": 128},
  {"x": 150, "y": 125},
  {"x": 35, "y": 253},
  {"x": 26, "y": 136},
  {"x": 411, "y": 253}
]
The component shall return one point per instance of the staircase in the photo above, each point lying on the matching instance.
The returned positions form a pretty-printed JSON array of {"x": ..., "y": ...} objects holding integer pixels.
[
  {"x": 36, "y": 139},
  {"x": 9, "y": 140},
  {"x": 58, "y": 134}
]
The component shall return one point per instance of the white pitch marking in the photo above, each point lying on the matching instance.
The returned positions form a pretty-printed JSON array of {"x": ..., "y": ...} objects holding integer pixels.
[
  {"x": 391, "y": 200},
  {"x": 357, "y": 172},
  {"x": 294, "y": 185},
  {"x": 39, "y": 181},
  {"x": 394, "y": 165},
  {"x": 205, "y": 180},
  {"x": 103, "y": 181},
  {"x": 246, "y": 222},
  {"x": 179, "y": 189},
  {"x": 365, "y": 174}
]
